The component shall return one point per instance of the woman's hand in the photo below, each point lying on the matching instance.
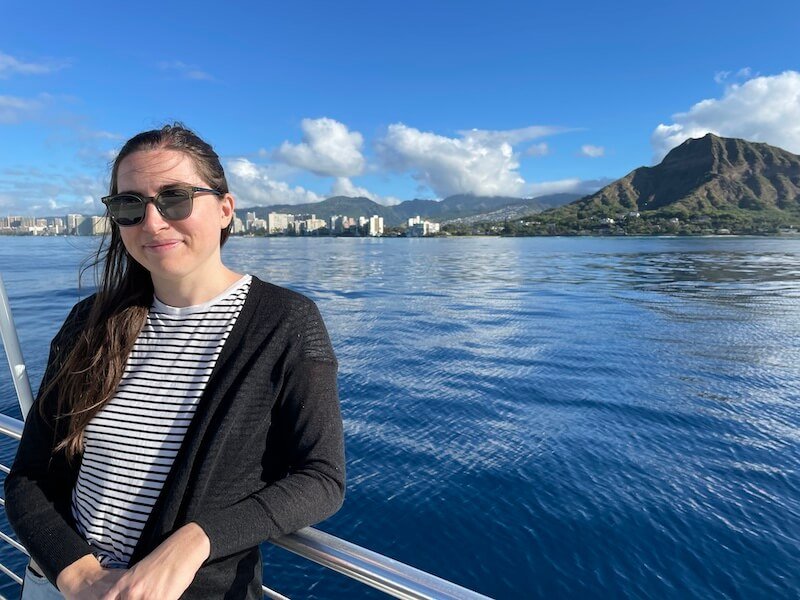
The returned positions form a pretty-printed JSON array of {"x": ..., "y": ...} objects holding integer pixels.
[
  {"x": 167, "y": 571},
  {"x": 85, "y": 579}
]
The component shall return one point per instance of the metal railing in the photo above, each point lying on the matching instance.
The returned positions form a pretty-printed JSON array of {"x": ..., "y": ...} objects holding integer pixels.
[{"x": 375, "y": 570}]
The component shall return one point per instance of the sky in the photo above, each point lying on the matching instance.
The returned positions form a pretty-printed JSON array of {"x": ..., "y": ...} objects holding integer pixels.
[{"x": 388, "y": 100}]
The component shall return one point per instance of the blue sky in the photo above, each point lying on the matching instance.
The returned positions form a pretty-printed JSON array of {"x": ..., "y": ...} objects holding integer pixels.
[{"x": 393, "y": 100}]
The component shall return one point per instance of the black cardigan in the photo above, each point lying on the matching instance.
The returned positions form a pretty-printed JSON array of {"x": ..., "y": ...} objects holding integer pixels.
[{"x": 263, "y": 455}]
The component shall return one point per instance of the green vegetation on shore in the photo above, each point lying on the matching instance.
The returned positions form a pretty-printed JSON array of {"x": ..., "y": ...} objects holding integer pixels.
[{"x": 659, "y": 222}]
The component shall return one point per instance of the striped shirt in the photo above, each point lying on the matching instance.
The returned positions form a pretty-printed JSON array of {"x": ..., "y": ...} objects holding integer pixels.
[{"x": 131, "y": 443}]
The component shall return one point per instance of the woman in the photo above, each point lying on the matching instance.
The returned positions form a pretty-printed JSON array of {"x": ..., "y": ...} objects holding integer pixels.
[{"x": 187, "y": 412}]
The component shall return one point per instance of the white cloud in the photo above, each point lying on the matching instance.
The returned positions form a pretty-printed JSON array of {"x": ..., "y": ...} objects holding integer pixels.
[
  {"x": 328, "y": 148},
  {"x": 540, "y": 149},
  {"x": 561, "y": 186},
  {"x": 14, "y": 109},
  {"x": 743, "y": 73},
  {"x": 13, "y": 66},
  {"x": 762, "y": 109},
  {"x": 721, "y": 76},
  {"x": 592, "y": 151},
  {"x": 252, "y": 185},
  {"x": 342, "y": 186},
  {"x": 53, "y": 193},
  {"x": 185, "y": 70},
  {"x": 510, "y": 136},
  {"x": 479, "y": 162}
]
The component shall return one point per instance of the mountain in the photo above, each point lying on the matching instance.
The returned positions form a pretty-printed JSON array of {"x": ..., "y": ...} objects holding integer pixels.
[
  {"x": 461, "y": 206},
  {"x": 451, "y": 209},
  {"x": 705, "y": 175},
  {"x": 517, "y": 208}
]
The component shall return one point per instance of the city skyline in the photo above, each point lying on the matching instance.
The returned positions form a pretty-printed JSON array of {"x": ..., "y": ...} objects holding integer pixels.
[{"x": 274, "y": 224}]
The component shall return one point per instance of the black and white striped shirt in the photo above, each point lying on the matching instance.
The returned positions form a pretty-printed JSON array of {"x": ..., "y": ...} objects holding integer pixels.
[{"x": 131, "y": 443}]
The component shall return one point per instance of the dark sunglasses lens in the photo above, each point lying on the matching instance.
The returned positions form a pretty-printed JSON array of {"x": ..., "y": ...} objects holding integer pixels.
[
  {"x": 175, "y": 204},
  {"x": 126, "y": 210}
]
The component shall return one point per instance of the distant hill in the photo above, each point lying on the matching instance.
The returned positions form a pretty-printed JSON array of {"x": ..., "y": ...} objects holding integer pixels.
[
  {"x": 450, "y": 209},
  {"x": 519, "y": 207},
  {"x": 741, "y": 186}
]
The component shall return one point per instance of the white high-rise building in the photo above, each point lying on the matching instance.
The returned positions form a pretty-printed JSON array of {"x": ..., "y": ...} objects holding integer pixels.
[
  {"x": 94, "y": 226},
  {"x": 278, "y": 223},
  {"x": 376, "y": 225},
  {"x": 74, "y": 223},
  {"x": 417, "y": 227}
]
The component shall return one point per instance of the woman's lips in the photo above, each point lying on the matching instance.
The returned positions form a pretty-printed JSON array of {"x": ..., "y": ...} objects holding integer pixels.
[{"x": 163, "y": 246}]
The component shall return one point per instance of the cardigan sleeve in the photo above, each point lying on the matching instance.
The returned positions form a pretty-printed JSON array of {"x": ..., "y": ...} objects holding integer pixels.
[
  {"x": 39, "y": 485},
  {"x": 314, "y": 487}
]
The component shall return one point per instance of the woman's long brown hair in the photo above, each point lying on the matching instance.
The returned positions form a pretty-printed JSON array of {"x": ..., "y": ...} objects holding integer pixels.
[{"x": 90, "y": 373}]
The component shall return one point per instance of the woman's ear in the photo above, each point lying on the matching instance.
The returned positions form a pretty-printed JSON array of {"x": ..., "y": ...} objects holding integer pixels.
[{"x": 227, "y": 204}]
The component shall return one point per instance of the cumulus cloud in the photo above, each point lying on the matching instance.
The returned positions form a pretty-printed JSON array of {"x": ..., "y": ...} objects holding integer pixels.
[
  {"x": 13, "y": 66},
  {"x": 540, "y": 149},
  {"x": 342, "y": 186},
  {"x": 328, "y": 148},
  {"x": 253, "y": 186},
  {"x": 592, "y": 151},
  {"x": 14, "y": 109},
  {"x": 478, "y": 162},
  {"x": 762, "y": 109},
  {"x": 184, "y": 70}
]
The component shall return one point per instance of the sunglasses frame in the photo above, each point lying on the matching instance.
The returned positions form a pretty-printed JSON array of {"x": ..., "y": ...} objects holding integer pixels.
[{"x": 145, "y": 200}]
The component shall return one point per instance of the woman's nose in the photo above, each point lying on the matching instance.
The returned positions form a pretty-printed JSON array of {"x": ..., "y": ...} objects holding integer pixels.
[{"x": 153, "y": 221}]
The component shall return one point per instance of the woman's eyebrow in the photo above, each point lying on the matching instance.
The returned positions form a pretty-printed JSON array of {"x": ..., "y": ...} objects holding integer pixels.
[{"x": 166, "y": 186}]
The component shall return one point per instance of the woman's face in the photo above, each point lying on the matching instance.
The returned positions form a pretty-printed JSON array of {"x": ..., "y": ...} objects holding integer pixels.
[{"x": 184, "y": 252}]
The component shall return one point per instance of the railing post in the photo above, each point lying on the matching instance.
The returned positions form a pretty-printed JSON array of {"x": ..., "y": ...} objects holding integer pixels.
[{"x": 19, "y": 374}]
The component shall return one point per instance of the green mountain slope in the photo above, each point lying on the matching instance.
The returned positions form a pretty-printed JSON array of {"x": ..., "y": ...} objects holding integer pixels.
[{"x": 722, "y": 183}]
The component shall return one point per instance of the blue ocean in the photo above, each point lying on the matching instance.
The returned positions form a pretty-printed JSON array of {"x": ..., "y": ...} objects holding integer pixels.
[{"x": 532, "y": 417}]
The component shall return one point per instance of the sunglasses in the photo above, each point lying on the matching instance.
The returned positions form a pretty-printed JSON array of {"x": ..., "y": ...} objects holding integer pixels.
[{"x": 174, "y": 204}]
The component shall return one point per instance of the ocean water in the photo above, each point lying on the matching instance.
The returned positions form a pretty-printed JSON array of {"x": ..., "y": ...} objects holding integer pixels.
[{"x": 533, "y": 417}]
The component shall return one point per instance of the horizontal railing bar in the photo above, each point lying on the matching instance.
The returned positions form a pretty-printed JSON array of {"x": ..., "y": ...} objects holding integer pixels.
[
  {"x": 13, "y": 542},
  {"x": 10, "y": 573},
  {"x": 381, "y": 572},
  {"x": 10, "y": 426},
  {"x": 273, "y": 594},
  {"x": 388, "y": 575},
  {"x": 4, "y": 468}
]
